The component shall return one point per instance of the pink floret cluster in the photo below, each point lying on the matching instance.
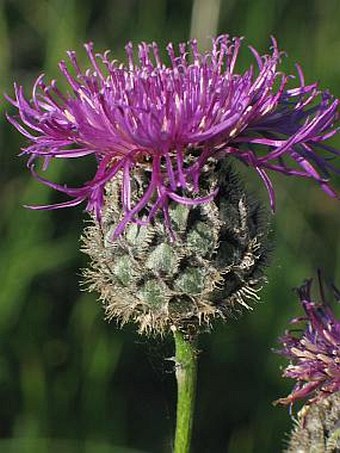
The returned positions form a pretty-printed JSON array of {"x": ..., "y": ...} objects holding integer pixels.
[
  {"x": 314, "y": 352},
  {"x": 170, "y": 118}
]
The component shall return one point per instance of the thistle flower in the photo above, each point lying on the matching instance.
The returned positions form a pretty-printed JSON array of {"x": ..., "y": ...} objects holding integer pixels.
[
  {"x": 169, "y": 120},
  {"x": 315, "y": 353}
]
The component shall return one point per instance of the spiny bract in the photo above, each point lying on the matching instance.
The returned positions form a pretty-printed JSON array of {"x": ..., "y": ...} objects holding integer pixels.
[{"x": 209, "y": 266}]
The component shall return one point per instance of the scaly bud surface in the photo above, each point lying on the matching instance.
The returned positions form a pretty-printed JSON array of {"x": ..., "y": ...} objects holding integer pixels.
[
  {"x": 317, "y": 429},
  {"x": 210, "y": 265}
]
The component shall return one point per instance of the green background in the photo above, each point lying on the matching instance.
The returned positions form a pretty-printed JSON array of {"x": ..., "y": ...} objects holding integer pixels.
[{"x": 70, "y": 382}]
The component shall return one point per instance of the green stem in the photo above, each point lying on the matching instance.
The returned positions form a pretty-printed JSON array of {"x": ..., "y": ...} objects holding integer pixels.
[{"x": 186, "y": 371}]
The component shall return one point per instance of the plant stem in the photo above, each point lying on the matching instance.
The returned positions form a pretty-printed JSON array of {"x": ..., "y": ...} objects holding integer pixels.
[{"x": 186, "y": 372}]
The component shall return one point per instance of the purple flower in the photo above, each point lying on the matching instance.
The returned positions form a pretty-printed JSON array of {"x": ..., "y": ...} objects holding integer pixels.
[
  {"x": 170, "y": 119},
  {"x": 315, "y": 353}
]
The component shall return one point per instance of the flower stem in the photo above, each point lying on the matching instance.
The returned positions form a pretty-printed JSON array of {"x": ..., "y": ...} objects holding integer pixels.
[{"x": 186, "y": 371}]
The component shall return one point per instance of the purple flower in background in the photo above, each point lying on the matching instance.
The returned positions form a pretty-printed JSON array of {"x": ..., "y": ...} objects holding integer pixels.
[
  {"x": 314, "y": 353},
  {"x": 168, "y": 120}
]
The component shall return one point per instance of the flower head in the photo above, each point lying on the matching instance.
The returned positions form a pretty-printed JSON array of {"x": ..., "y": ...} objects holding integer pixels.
[
  {"x": 315, "y": 353},
  {"x": 168, "y": 120}
]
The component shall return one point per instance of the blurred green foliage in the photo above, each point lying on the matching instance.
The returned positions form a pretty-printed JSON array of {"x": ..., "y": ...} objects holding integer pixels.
[{"x": 68, "y": 381}]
